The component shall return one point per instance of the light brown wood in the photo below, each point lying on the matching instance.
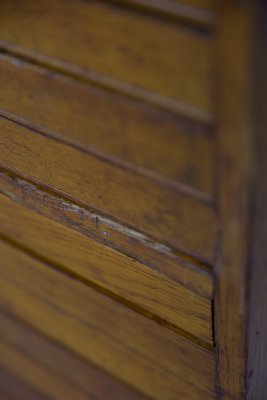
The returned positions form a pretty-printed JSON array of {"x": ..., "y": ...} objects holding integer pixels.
[
  {"x": 122, "y": 276},
  {"x": 105, "y": 332},
  {"x": 52, "y": 370},
  {"x": 159, "y": 211},
  {"x": 179, "y": 268},
  {"x": 116, "y": 128},
  {"x": 117, "y": 43}
]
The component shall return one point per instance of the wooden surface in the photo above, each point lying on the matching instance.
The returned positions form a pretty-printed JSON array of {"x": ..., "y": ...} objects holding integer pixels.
[
  {"x": 159, "y": 144},
  {"x": 162, "y": 212},
  {"x": 45, "y": 369},
  {"x": 199, "y": 13},
  {"x": 103, "y": 331},
  {"x": 236, "y": 131},
  {"x": 206, "y": 4},
  {"x": 132, "y": 48},
  {"x": 132, "y": 200},
  {"x": 181, "y": 269},
  {"x": 257, "y": 308},
  {"x": 110, "y": 270}
]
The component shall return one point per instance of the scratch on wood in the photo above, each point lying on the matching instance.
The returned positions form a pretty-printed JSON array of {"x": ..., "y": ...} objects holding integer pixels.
[{"x": 98, "y": 220}]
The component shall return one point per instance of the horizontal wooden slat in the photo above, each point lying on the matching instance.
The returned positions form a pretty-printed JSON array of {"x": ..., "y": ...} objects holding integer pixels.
[
  {"x": 178, "y": 267},
  {"x": 137, "y": 49},
  {"x": 111, "y": 270},
  {"x": 202, "y": 15},
  {"x": 105, "y": 332},
  {"x": 158, "y": 210},
  {"x": 12, "y": 388},
  {"x": 108, "y": 124},
  {"x": 206, "y": 4},
  {"x": 52, "y": 369}
]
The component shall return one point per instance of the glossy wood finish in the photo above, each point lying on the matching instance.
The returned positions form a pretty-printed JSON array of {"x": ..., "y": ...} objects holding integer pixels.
[{"x": 103, "y": 331}]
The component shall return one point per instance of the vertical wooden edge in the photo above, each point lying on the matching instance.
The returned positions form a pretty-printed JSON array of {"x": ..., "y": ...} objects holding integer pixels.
[
  {"x": 257, "y": 310},
  {"x": 236, "y": 131}
]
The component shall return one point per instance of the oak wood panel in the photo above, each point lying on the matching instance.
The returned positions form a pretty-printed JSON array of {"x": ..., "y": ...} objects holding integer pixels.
[
  {"x": 145, "y": 52},
  {"x": 110, "y": 269},
  {"x": 109, "y": 125},
  {"x": 105, "y": 332},
  {"x": 177, "y": 267},
  {"x": 51, "y": 369},
  {"x": 172, "y": 217}
]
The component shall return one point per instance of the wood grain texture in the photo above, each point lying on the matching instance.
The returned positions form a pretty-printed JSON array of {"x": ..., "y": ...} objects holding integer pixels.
[
  {"x": 116, "y": 128},
  {"x": 117, "y": 43},
  {"x": 236, "y": 130},
  {"x": 50, "y": 369},
  {"x": 120, "y": 275},
  {"x": 105, "y": 332},
  {"x": 161, "y": 212},
  {"x": 179, "y": 268}
]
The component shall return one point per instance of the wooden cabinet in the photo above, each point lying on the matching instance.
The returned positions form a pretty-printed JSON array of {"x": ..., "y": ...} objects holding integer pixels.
[{"x": 132, "y": 200}]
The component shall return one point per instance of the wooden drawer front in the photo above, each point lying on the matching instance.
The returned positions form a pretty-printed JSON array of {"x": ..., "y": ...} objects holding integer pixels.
[
  {"x": 103, "y": 331},
  {"x": 136, "y": 49}
]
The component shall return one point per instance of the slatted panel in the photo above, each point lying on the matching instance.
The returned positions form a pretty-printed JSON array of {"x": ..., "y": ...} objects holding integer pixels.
[
  {"x": 162, "y": 212},
  {"x": 38, "y": 368},
  {"x": 116, "y": 127},
  {"x": 179, "y": 268},
  {"x": 201, "y": 14},
  {"x": 107, "y": 129},
  {"x": 182, "y": 306},
  {"x": 104, "y": 332},
  {"x": 148, "y": 53}
]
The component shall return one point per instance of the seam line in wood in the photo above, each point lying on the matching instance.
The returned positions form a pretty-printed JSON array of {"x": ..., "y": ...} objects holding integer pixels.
[
  {"x": 136, "y": 308},
  {"x": 25, "y": 189},
  {"x": 177, "y": 186},
  {"x": 20, "y": 321},
  {"x": 182, "y": 13},
  {"x": 204, "y": 266},
  {"x": 107, "y": 83}
]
